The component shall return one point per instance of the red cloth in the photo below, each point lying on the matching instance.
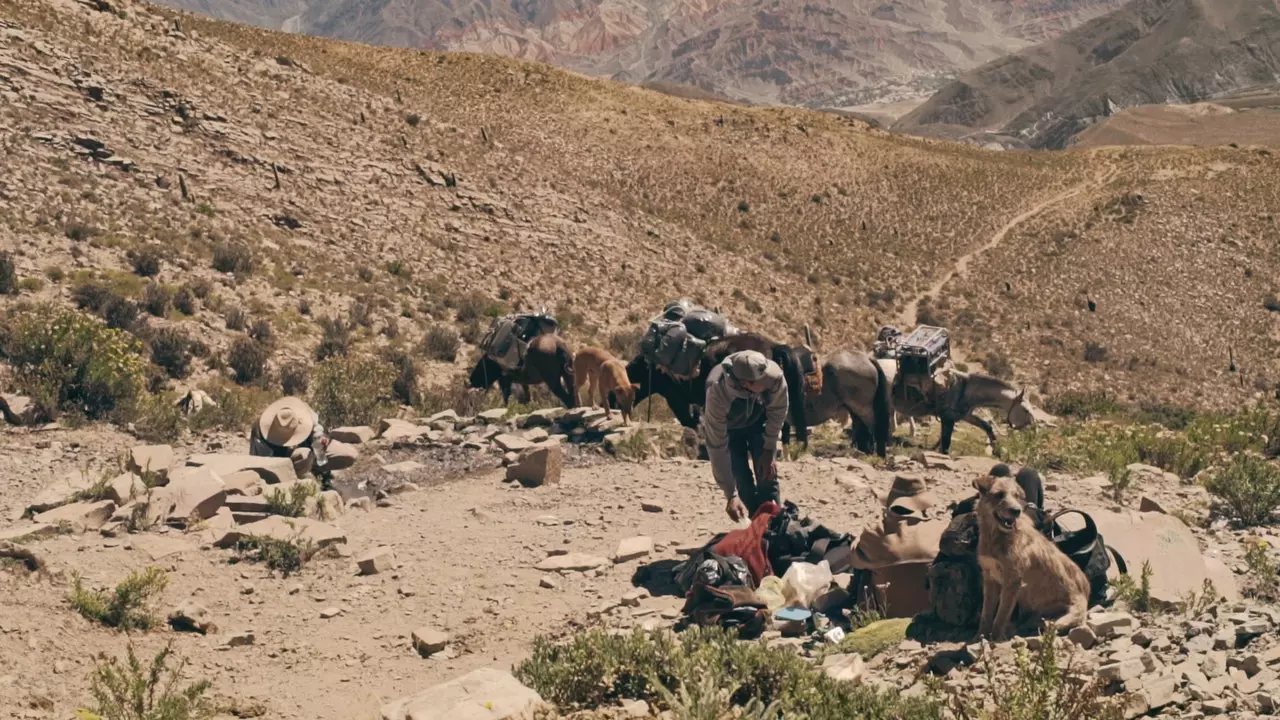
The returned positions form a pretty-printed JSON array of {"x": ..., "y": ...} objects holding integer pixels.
[{"x": 748, "y": 543}]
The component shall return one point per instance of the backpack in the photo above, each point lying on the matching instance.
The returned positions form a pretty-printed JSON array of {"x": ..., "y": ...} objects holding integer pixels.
[
  {"x": 669, "y": 345},
  {"x": 503, "y": 345},
  {"x": 1087, "y": 550}
]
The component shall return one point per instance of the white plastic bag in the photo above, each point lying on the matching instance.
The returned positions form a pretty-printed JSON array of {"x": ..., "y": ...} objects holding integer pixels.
[{"x": 805, "y": 582}]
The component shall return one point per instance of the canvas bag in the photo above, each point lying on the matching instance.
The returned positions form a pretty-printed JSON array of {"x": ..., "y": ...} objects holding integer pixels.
[
  {"x": 503, "y": 345},
  {"x": 669, "y": 346}
]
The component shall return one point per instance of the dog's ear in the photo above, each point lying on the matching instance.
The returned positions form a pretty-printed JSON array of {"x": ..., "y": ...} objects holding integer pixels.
[
  {"x": 983, "y": 483},
  {"x": 635, "y": 388}
]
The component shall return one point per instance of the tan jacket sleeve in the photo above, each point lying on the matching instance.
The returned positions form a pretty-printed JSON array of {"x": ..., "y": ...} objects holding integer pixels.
[{"x": 715, "y": 431}]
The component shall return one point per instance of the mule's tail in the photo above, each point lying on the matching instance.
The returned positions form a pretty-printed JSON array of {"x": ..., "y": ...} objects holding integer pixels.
[
  {"x": 795, "y": 392},
  {"x": 882, "y": 410}
]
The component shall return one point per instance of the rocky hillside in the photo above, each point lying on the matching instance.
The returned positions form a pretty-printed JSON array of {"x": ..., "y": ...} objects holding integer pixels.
[
  {"x": 224, "y": 178},
  {"x": 803, "y": 53},
  {"x": 1149, "y": 51}
]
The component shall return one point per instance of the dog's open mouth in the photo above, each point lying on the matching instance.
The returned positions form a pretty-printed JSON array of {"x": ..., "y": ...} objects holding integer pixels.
[{"x": 1006, "y": 522}]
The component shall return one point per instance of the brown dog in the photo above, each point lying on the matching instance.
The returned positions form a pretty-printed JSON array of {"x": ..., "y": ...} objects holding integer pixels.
[
  {"x": 605, "y": 374},
  {"x": 1020, "y": 566}
]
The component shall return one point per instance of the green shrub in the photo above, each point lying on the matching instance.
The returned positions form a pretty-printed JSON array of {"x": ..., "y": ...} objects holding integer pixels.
[
  {"x": 351, "y": 390},
  {"x": 128, "y": 691},
  {"x": 625, "y": 344},
  {"x": 365, "y": 273},
  {"x": 261, "y": 331},
  {"x": 1041, "y": 689},
  {"x": 295, "y": 378},
  {"x": 8, "y": 274},
  {"x": 399, "y": 269},
  {"x": 184, "y": 300},
  {"x": 597, "y": 669},
  {"x": 474, "y": 306},
  {"x": 1264, "y": 575},
  {"x": 1249, "y": 487},
  {"x": 998, "y": 365},
  {"x": 128, "y": 606},
  {"x": 55, "y": 274},
  {"x": 287, "y": 556},
  {"x": 67, "y": 361},
  {"x": 292, "y": 503},
  {"x": 233, "y": 258},
  {"x": 156, "y": 418},
  {"x": 146, "y": 262},
  {"x": 236, "y": 319},
  {"x": 1083, "y": 405},
  {"x": 157, "y": 299},
  {"x": 441, "y": 343},
  {"x": 404, "y": 387},
  {"x": 172, "y": 350},
  {"x": 1135, "y": 593},
  {"x": 236, "y": 410},
  {"x": 248, "y": 360}
]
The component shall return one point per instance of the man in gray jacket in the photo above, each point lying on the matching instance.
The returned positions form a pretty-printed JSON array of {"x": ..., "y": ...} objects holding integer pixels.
[{"x": 742, "y": 423}]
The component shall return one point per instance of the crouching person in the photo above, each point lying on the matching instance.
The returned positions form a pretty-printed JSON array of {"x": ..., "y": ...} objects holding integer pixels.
[
  {"x": 742, "y": 423},
  {"x": 290, "y": 428}
]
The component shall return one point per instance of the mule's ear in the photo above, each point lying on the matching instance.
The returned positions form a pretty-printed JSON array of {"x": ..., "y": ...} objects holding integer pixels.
[{"x": 983, "y": 483}]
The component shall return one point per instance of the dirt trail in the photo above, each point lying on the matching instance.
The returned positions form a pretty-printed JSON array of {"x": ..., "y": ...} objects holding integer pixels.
[{"x": 910, "y": 315}]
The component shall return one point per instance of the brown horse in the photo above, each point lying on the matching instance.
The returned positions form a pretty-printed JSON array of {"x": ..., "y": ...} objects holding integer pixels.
[{"x": 548, "y": 360}]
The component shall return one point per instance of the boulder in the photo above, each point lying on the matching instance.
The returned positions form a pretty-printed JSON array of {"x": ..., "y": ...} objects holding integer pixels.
[
  {"x": 541, "y": 418},
  {"x": 429, "y": 641},
  {"x": 572, "y": 561},
  {"x": 282, "y": 528},
  {"x": 379, "y": 559},
  {"x": 245, "y": 482},
  {"x": 191, "y": 616},
  {"x": 80, "y": 516},
  {"x": 1150, "y": 504},
  {"x": 355, "y": 435},
  {"x": 25, "y": 530},
  {"x": 153, "y": 459},
  {"x": 126, "y": 488},
  {"x": 192, "y": 493},
  {"x": 271, "y": 469},
  {"x": 492, "y": 416},
  {"x": 536, "y": 435},
  {"x": 17, "y": 409},
  {"x": 330, "y": 505},
  {"x": 396, "y": 429},
  {"x": 59, "y": 492},
  {"x": 845, "y": 667},
  {"x": 540, "y": 465},
  {"x": 1177, "y": 565},
  {"x": 484, "y": 694},
  {"x": 511, "y": 443},
  {"x": 450, "y": 416},
  {"x": 633, "y": 548}
]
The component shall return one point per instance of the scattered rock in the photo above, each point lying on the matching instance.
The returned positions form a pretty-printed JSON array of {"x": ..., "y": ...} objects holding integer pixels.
[
  {"x": 59, "y": 493},
  {"x": 276, "y": 527},
  {"x": 650, "y": 506},
  {"x": 845, "y": 667},
  {"x": 192, "y": 494},
  {"x": 635, "y": 709},
  {"x": 547, "y": 582},
  {"x": 354, "y": 435},
  {"x": 408, "y": 466},
  {"x": 633, "y": 597},
  {"x": 1083, "y": 636},
  {"x": 379, "y": 559},
  {"x": 571, "y": 561},
  {"x": 536, "y": 466},
  {"x": 1149, "y": 504},
  {"x": 429, "y": 641},
  {"x": 1111, "y": 624},
  {"x": 243, "y": 638},
  {"x": 492, "y": 416},
  {"x": 511, "y": 443},
  {"x": 191, "y": 616},
  {"x": 485, "y": 693},
  {"x": 331, "y": 612},
  {"x": 153, "y": 459},
  {"x": 271, "y": 469},
  {"x": 126, "y": 488},
  {"x": 633, "y": 548},
  {"x": 80, "y": 516}
]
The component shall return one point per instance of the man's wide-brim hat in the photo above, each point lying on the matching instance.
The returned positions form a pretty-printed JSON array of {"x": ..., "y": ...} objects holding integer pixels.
[
  {"x": 909, "y": 496},
  {"x": 286, "y": 422}
]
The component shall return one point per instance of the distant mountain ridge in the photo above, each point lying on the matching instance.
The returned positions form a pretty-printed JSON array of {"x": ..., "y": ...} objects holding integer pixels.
[
  {"x": 804, "y": 52},
  {"x": 1147, "y": 52}
]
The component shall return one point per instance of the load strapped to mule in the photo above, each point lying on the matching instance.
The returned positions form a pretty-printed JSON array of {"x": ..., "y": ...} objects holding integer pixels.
[
  {"x": 509, "y": 336},
  {"x": 923, "y": 359},
  {"x": 677, "y": 338}
]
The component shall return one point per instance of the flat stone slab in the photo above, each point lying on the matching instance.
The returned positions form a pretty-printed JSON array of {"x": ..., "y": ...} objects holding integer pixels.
[
  {"x": 492, "y": 416},
  {"x": 511, "y": 443},
  {"x": 161, "y": 546},
  {"x": 1177, "y": 565},
  {"x": 154, "y": 459},
  {"x": 396, "y": 429},
  {"x": 572, "y": 561},
  {"x": 25, "y": 529},
  {"x": 356, "y": 435},
  {"x": 407, "y": 466},
  {"x": 484, "y": 694},
  {"x": 633, "y": 548},
  {"x": 193, "y": 493},
  {"x": 80, "y": 515},
  {"x": 59, "y": 492},
  {"x": 272, "y": 469},
  {"x": 282, "y": 528}
]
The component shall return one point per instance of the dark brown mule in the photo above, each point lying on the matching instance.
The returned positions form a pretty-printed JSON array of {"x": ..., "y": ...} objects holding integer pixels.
[{"x": 548, "y": 360}]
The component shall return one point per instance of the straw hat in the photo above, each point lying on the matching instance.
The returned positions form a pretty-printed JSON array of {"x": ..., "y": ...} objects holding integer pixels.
[{"x": 286, "y": 422}]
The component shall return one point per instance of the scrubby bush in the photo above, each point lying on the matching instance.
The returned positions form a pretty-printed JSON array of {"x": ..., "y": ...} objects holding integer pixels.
[
  {"x": 295, "y": 378},
  {"x": 1083, "y": 405},
  {"x": 122, "y": 314},
  {"x": 998, "y": 365},
  {"x": 156, "y": 417},
  {"x": 67, "y": 361},
  {"x": 286, "y": 556},
  {"x": 292, "y": 503},
  {"x": 146, "y": 262},
  {"x": 233, "y": 258},
  {"x": 261, "y": 331},
  {"x": 1249, "y": 487},
  {"x": 8, "y": 274},
  {"x": 128, "y": 691},
  {"x": 625, "y": 344},
  {"x": 184, "y": 300},
  {"x": 237, "y": 407},
  {"x": 157, "y": 299},
  {"x": 441, "y": 343},
  {"x": 597, "y": 669},
  {"x": 1094, "y": 353},
  {"x": 361, "y": 312},
  {"x": 171, "y": 349},
  {"x": 335, "y": 338},
  {"x": 237, "y": 318},
  {"x": 248, "y": 359},
  {"x": 128, "y": 607},
  {"x": 352, "y": 390},
  {"x": 474, "y": 306},
  {"x": 404, "y": 387}
]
